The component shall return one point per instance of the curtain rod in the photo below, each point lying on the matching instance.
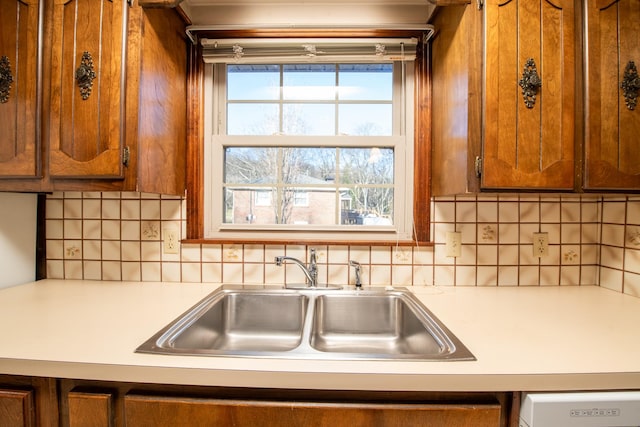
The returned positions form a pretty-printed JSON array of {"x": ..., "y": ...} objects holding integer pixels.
[
  {"x": 207, "y": 42},
  {"x": 427, "y": 29}
]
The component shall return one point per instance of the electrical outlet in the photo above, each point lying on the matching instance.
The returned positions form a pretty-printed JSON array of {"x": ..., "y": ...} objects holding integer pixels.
[
  {"x": 540, "y": 244},
  {"x": 453, "y": 244},
  {"x": 171, "y": 241}
]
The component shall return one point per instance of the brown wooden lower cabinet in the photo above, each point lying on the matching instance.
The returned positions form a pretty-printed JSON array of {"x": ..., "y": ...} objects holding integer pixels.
[
  {"x": 90, "y": 409},
  {"x": 16, "y": 408},
  {"x": 51, "y": 402},
  {"x": 28, "y": 401},
  {"x": 141, "y": 411}
]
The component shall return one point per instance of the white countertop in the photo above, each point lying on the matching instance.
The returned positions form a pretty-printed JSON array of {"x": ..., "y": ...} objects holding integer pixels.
[{"x": 524, "y": 339}]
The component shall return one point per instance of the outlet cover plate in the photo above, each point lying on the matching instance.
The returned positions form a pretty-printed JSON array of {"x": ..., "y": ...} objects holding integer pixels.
[
  {"x": 453, "y": 244},
  {"x": 540, "y": 244}
]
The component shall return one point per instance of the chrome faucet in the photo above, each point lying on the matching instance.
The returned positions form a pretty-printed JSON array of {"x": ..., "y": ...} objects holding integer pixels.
[
  {"x": 358, "y": 269},
  {"x": 310, "y": 272}
]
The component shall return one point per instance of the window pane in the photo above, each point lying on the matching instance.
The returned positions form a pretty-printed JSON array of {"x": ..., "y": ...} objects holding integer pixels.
[
  {"x": 366, "y": 165},
  {"x": 297, "y": 180},
  {"x": 308, "y": 206},
  {"x": 250, "y": 165},
  {"x": 365, "y": 82},
  {"x": 311, "y": 82},
  {"x": 307, "y": 192},
  {"x": 308, "y": 165},
  {"x": 252, "y": 119},
  {"x": 366, "y": 119},
  {"x": 289, "y": 205},
  {"x": 250, "y": 206},
  {"x": 253, "y": 82},
  {"x": 309, "y": 119},
  {"x": 373, "y": 206}
]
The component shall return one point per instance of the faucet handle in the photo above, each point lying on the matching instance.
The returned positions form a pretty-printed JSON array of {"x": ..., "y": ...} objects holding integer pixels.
[{"x": 358, "y": 268}]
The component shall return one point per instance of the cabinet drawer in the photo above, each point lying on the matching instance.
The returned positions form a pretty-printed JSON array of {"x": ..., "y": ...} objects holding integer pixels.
[{"x": 143, "y": 410}]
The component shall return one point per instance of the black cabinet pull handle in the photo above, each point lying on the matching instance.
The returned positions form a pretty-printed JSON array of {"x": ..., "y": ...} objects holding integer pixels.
[
  {"x": 6, "y": 78},
  {"x": 530, "y": 82},
  {"x": 85, "y": 75},
  {"x": 630, "y": 85}
]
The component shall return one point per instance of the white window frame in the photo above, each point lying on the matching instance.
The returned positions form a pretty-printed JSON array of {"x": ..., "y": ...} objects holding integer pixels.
[{"x": 402, "y": 142}]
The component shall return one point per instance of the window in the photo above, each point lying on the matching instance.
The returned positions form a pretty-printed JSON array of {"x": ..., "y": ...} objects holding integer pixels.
[{"x": 321, "y": 149}]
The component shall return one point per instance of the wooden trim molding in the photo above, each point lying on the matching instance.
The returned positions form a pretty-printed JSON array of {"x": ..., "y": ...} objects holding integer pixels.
[
  {"x": 449, "y": 2},
  {"x": 159, "y": 3},
  {"x": 422, "y": 148},
  {"x": 422, "y": 144},
  {"x": 195, "y": 144}
]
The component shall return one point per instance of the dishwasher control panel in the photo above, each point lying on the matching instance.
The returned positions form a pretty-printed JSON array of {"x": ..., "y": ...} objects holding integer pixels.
[{"x": 587, "y": 409}]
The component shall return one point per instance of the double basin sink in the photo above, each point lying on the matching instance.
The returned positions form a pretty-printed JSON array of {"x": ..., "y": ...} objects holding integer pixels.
[{"x": 313, "y": 323}]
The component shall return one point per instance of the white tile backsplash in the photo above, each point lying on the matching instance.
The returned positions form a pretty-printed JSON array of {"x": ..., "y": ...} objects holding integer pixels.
[{"x": 593, "y": 240}]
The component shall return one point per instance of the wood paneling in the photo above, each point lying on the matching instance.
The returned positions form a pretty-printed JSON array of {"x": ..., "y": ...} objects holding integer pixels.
[
  {"x": 16, "y": 408},
  {"x": 90, "y": 409},
  {"x": 136, "y": 104},
  {"x": 166, "y": 411},
  {"x": 28, "y": 401},
  {"x": 612, "y": 148},
  {"x": 529, "y": 148},
  {"x": 195, "y": 148},
  {"x": 157, "y": 117},
  {"x": 456, "y": 70},
  {"x": 86, "y": 132},
  {"x": 162, "y": 404},
  {"x": 19, "y": 147}
]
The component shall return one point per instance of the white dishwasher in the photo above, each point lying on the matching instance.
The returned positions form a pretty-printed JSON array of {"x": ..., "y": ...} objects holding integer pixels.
[{"x": 587, "y": 409}]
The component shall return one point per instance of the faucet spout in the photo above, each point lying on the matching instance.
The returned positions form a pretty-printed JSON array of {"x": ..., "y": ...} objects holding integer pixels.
[{"x": 310, "y": 272}]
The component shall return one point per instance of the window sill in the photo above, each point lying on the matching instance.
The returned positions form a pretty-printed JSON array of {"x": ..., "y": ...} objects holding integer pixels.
[{"x": 218, "y": 241}]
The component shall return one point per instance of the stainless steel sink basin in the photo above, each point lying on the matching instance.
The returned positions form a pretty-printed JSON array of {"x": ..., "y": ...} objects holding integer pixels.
[
  {"x": 310, "y": 323},
  {"x": 380, "y": 324},
  {"x": 230, "y": 322}
]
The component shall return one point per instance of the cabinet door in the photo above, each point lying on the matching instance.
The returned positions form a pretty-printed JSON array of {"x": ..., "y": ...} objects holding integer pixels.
[
  {"x": 16, "y": 408},
  {"x": 613, "y": 122},
  {"x": 87, "y": 95},
  {"x": 19, "y": 30},
  {"x": 166, "y": 411},
  {"x": 90, "y": 409},
  {"x": 529, "y": 142}
]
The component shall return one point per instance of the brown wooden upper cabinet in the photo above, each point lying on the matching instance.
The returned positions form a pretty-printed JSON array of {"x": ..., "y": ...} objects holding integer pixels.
[
  {"x": 504, "y": 96},
  {"x": 508, "y": 88},
  {"x": 86, "y": 138},
  {"x": 106, "y": 105},
  {"x": 529, "y": 94},
  {"x": 612, "y": 88},
  {"x": 18, "y": 76}
]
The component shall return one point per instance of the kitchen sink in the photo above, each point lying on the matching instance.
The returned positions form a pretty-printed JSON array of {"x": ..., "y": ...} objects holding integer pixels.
[
  {"x": 322, "y": 323},
  {"x": 380, "y": 324},
  {"x": 236, "y": 322}
]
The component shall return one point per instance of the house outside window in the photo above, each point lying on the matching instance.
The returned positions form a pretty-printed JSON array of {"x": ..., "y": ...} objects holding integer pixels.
[{"x": 263, "y": 198}]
